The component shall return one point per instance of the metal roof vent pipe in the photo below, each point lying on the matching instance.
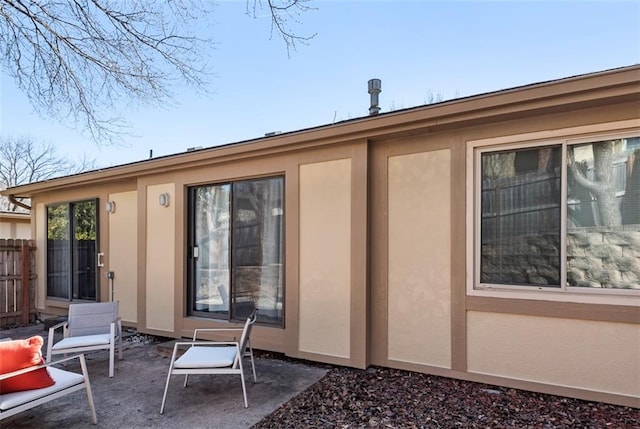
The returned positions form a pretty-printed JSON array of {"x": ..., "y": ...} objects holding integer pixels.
[{"x": 375, "y": 87}]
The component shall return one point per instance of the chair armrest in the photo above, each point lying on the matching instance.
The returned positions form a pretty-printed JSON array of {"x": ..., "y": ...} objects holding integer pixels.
[
  {"x": 179, "y": 344},
  {"x": 52, "y": 331},
  {"x": 57, "y": 326},
  {"x": 204, "y": 343},
  {"x": 44, "y": 365},
  {"x": 117, "y": 327},
  {"x": 195, "y": 332}
]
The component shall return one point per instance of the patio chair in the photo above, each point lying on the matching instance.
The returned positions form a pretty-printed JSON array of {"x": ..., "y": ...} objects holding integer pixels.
[
  {"x": 91, "y": 326},
  {"x": 213, "y": 357},
  {"x": 65, "y": 382}
]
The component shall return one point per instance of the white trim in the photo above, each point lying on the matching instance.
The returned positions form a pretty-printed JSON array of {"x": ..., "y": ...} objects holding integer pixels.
[
  {"x": 588, "y": 296},
  {"x": 563, "y": 216},
  {"x": 564, "y": 137}
]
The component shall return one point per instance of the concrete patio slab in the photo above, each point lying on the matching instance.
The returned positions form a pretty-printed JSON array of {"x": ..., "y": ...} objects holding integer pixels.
[{"x": 132, "y": 398}]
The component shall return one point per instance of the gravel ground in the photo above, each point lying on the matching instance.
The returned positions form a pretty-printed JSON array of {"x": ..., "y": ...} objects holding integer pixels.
[{"x": 388, "y": 398}]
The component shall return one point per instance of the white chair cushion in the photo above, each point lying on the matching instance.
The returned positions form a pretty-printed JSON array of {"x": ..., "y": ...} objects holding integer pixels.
[
  {"x": 63, "y": 380},
  {"x": 207, "y": 357},
  {"x": 83, "y": 341}
]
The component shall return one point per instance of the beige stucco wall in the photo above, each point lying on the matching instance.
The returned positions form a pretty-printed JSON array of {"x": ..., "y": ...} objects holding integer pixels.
[
  {"x": 591, "y": 355},
  {"x": 7, "y": 229},
  {"x": 160, "y": 252},
  {"x": 23, "y": 231},
  {"x": 325, "y": 258},
  {"x": 419, "y": 276},
  {"x": 123, "y": 253},
  {"x": 14, "y": 228}
]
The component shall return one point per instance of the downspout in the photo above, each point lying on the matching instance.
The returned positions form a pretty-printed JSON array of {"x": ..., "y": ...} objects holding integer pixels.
[{"x": 12, "y": 199}]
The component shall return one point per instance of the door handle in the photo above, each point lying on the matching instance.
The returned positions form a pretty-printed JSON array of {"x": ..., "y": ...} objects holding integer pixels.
[{"x": 101, "y": 259}]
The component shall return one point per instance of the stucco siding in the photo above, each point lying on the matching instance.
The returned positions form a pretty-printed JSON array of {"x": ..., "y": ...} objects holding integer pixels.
[
  {"x": 15, "y": 228},
  {"x": 160, "y": 251},
  {"x": 325, "y": 261},
  {"x": 590, "y": 355},
  {"x": 419, "y": 276},
  {"x": 23, "y": 231},
  {"x": 123, "y": 253}
]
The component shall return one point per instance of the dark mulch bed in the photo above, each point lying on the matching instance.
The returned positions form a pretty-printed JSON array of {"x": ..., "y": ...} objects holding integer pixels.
[{"x": 388, "y": 398}]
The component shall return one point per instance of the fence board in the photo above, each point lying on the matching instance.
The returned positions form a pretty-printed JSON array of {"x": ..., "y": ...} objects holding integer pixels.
[
  {"x": 17, "y": 281},
  {"x": 520, "y": 205}
]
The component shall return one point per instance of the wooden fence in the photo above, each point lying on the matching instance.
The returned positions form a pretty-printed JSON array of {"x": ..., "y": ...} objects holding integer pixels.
[
  {"x": 17, "y": 282},
  {"x": 520, "y": 206},
  {"x": 529, "y": 204}
]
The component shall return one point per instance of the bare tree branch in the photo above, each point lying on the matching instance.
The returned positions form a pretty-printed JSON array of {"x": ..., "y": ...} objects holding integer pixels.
[
  {"x": 284, "y": 14},
  {"x": 22, "y": 160},
  {"x": 76, "y": 59}
]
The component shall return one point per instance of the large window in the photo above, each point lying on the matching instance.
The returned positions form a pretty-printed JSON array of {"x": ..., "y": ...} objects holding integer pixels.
[
  {"x": 236, "y": 250},
  {"x": 560, "y": 216},
  {"x": 71, "y": 251}
]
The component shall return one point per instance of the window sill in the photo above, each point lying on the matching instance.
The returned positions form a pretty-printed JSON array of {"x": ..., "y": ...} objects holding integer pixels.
[
  {"x": 618, "y": 297},
  {"x": 624, "y": 312}
]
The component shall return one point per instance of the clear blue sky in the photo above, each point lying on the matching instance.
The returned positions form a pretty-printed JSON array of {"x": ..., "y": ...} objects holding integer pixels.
[{"x": 452, "y": 48}]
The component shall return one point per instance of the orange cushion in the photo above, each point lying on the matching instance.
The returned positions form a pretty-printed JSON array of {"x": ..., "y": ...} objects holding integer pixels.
[{"x": 20, "y": 354}]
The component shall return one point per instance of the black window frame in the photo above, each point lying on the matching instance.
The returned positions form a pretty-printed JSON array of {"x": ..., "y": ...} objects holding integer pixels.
[{"x": 73, "y": 270}]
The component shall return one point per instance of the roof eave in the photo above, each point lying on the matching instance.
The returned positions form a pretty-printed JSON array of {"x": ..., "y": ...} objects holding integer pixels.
[{"x": 612, "y": 85}]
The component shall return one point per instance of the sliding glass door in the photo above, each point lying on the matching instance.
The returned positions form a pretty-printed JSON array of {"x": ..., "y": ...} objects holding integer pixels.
[
  {"x": 236, "y": 249},
  {"x": 72, "y": 243}
]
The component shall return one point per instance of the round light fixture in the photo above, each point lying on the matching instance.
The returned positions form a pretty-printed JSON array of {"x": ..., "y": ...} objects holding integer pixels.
[{"x": 163, "y": 199}]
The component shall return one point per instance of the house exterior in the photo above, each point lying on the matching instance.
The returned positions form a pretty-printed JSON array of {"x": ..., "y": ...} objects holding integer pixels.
[
  {"x": 15, "y": 225},
  {"x": 493, "y": 238}
]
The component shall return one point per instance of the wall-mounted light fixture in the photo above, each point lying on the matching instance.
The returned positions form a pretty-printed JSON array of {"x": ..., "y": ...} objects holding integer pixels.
[
  {"x": 110, "y": 206},
  {"x": 163, "y": 199}
]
